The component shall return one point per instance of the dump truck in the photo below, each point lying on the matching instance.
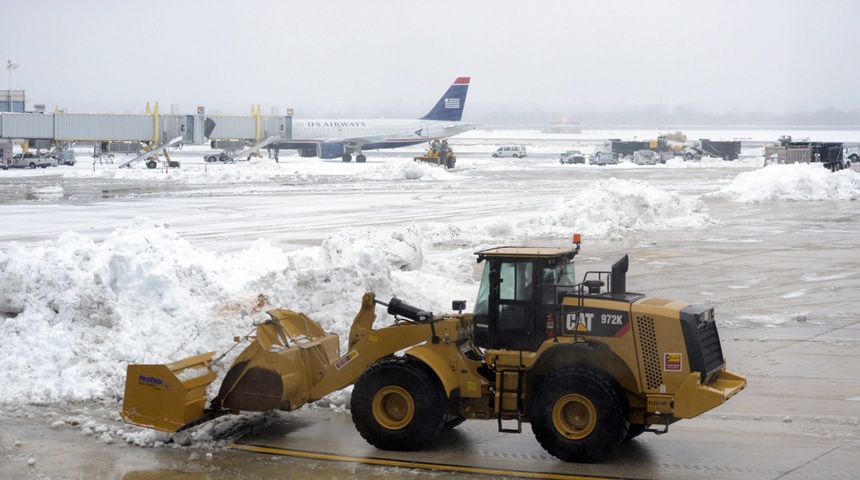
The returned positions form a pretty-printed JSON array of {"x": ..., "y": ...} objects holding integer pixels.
[
  {"x": 439, "y": 153},
  {"x": 589, "y": 365},
  {"x": 832, "y": 155},
  {"x": 725, "y": 149},
  {"x": 670, "y": 144}
]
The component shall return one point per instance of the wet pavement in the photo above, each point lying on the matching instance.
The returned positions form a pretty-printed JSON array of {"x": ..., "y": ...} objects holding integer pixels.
[{"x": 783, "y": 277}]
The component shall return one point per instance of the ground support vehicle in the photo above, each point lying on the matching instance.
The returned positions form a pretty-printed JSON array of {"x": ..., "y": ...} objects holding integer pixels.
[
  {"x": 515, "y": 151},
  {"x": 725, "y": 149},
  {"x": 622, "y": 148},
  {"x": 603, "y": 158},
  {"x": 65, "y": 157},
  {"x": 440, "y": 154},
  {"x": 29, "y": 160},
  {"x": 670, "y": 144},
  {"x": 572, "y": 156},
  {"x": 830, "y": 154},
  {"x": 588, "y": 366},
  {"x": 646, "y": 157},
  {"x": 222, "y": 157},
  {"x": 851, "y": 154}
]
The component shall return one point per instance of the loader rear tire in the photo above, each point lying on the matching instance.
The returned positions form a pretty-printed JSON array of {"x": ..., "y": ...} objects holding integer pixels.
[
  {"x": 579, "y": 415},
  {"x": 399, "y": 404}
]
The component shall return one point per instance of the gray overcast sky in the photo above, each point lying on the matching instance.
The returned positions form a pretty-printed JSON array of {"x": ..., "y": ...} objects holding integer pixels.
[{"x": 395, "y": 57}]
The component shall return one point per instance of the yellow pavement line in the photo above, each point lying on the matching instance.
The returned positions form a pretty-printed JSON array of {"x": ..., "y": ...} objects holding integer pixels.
[{"x": 409, "y": 464}]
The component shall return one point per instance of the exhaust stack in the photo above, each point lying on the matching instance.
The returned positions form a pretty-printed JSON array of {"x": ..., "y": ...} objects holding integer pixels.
[{"x": 618, "y": 285}]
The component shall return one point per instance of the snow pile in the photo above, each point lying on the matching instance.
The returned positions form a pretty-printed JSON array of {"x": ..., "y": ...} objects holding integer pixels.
[
  {"x": 265, "y": 170},
  {"x": 612, "y": 208},
  {"x": 505, "y": 164},
  {"x": 255, "y": 171},
  {"x": 797, "y": 182},
  {"x": 403, "y": 169},
  {"x": 713, "y": 162},
  {"x": 75, "y": 312}
]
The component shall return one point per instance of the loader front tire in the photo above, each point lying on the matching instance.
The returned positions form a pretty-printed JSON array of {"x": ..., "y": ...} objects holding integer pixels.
[
  {"x": 398, "y": 404},
  {"x": 579, "y": 415}
]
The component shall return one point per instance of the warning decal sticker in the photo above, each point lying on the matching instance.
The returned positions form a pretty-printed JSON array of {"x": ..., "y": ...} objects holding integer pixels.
[
  {"x": 344, "y": 360},
  {"x": 672, "y": 362}
]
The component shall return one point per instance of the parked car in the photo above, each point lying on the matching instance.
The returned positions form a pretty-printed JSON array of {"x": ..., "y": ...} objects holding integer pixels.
[
  {"x": 516, "y": 151},
  {"x": 572, "y": 156}
]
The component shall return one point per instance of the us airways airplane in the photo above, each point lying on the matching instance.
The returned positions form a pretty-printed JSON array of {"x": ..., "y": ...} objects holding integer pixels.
[{"x": 336, "y": 138}]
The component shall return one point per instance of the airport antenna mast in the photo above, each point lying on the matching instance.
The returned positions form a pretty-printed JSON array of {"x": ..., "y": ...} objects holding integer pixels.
[{"x": 11, "y": 67}]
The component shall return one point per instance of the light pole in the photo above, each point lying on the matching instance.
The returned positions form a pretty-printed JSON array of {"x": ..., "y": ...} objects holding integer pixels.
[{"x": 11, "y": 66}]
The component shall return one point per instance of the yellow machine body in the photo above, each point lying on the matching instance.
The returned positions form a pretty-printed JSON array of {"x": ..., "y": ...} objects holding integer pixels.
[
  {"x": 440, "y": 154},
  {"x": 587, "y": 366},
  {"x": 168, "y": 397}
]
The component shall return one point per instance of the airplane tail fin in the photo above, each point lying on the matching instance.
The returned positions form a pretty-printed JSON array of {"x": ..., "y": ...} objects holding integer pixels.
[{"x": 450, "y": 106}]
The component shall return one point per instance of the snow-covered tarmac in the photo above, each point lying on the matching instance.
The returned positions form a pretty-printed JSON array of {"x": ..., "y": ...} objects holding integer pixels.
[{"x": 100, "y": 267}]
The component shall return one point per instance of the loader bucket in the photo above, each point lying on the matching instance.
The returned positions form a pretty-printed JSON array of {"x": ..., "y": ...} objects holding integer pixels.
[{"x": 168, "y": 397}]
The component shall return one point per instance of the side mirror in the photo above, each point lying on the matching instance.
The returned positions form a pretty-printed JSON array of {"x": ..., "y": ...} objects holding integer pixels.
[{"x": 458, "y": 305}]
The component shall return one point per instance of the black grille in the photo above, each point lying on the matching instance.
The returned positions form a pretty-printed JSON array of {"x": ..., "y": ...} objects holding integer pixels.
[{"x": 702, "y": 339}]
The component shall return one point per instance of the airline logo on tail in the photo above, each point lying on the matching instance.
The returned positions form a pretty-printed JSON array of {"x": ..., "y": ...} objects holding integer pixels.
[{"x": 450, "y": 106}]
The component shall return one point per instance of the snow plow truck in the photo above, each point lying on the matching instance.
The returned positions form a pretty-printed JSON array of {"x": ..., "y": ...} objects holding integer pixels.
[{"x": 589, "y": 365}]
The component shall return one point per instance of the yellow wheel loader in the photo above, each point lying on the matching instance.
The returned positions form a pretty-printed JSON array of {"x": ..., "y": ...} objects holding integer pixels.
[
  {"x": 588, "y": 364},
  {"x": 440, "y": 154}
]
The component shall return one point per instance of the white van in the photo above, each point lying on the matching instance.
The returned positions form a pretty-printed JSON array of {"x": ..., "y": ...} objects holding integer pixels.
[{"x": 516, "y": 151}]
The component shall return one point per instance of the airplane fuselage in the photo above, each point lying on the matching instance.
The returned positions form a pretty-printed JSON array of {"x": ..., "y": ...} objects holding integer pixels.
[
  {"x": 380, "y": 133},
  {"x": 336, "y": 138}
]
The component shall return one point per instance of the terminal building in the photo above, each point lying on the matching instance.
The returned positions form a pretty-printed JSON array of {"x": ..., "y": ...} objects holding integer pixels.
[{"x": 12, "y": 101}]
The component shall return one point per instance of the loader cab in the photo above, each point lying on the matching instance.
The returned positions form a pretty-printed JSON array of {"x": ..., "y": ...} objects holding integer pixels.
[{"x": 520, "y": 287}]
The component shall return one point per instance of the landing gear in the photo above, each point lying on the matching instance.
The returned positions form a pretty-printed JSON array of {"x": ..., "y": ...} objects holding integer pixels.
[
  {"x": 360, "y": 158},
  {"x": 346, "y": 157}
]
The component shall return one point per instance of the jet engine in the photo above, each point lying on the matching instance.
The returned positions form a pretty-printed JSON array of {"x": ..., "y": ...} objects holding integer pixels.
[{"x": 330, "y": 150}]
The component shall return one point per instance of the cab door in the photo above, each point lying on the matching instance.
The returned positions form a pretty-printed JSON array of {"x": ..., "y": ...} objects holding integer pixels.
[{"x": 512, "y": 305}]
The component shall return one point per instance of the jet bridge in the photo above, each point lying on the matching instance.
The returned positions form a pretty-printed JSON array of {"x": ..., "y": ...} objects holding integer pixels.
[
  {"x": 147, "y": 133},
  {"x": 241, "y": 136}
]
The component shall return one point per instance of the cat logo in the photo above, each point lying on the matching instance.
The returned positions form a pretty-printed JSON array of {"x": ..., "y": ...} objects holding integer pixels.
[{"x": 580, "y": 324}]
